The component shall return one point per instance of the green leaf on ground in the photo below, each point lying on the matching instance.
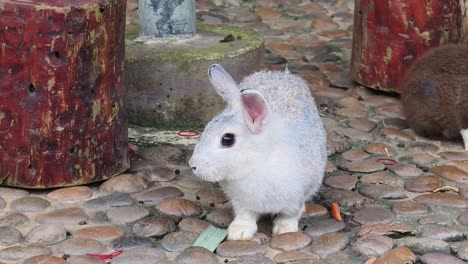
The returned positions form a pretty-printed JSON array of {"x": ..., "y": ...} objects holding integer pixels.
[{"x": 210, "y": 238}]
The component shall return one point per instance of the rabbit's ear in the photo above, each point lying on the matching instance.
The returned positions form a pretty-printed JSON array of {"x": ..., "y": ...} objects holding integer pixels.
[
  {"x": 255, "y": 110},
  {"x": 224, "y": 84}
]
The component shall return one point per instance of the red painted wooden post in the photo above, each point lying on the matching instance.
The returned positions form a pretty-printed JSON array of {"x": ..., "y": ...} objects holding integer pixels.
[
  {"x": 464, "y": 11},
  {"x": 62, "y": 101},
  {"x": 390, "y": 35}
]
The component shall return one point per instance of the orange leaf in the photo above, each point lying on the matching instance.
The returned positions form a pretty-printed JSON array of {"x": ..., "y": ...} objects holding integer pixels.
[
  {"x": 371, "y": 260},
  {"x": 335, "y": 211}
]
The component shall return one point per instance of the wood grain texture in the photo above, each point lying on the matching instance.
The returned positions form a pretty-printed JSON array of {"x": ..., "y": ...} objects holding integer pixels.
[
  {"x": 389, "y": 35},
  {"x": 63, "y": 115}
]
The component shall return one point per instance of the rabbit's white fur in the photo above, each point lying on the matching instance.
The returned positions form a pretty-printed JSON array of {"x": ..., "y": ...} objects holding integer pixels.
[{"x": 279, "y": 155}]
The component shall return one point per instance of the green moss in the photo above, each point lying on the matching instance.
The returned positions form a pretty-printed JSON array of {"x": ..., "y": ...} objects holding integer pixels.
[
  {"x": 131, "y": 34},
  {"x": 96, "y": 109},
  {"x": 295, "y": 17},
  {"x": 249, "y": 40},
  {"x": 444, "y": 36},
  {"x": 177, "y": 123},
  {"x": 426, "y": 35}
]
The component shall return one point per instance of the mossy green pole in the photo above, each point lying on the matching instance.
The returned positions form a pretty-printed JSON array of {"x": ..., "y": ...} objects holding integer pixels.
[{"x": 166, "y": 18}]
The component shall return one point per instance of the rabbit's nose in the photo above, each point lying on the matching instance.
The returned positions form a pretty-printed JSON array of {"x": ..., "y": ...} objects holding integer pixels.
[{"x": 194, "y": 168}]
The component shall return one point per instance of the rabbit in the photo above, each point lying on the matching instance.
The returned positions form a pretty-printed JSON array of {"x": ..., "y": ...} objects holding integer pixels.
[
  {"x": 435, "y": 94},
  {"x": 267, "y": 149}
]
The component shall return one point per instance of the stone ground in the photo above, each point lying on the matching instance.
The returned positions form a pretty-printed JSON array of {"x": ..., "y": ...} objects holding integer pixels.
[{"x": 411, "y": 211}]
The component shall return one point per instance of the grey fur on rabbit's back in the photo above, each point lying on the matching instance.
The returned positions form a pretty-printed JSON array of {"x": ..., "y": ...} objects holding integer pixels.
[
  {"x": 287, "y": 94},
  {"x": 267, "y": 149}
]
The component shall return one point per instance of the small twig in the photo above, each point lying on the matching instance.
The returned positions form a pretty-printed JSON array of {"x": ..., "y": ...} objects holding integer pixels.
[
  {"x": 386, "y": 152},
  {"x": 384, "y": 124}
]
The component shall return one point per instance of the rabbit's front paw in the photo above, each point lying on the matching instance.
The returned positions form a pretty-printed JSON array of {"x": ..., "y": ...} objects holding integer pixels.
[
  {"x": 241, "y": 231},
  {"x": 284, "y": 225}
]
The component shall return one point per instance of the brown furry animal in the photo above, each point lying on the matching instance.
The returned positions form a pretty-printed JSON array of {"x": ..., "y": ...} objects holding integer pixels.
[{"x": 435, "y": 94}]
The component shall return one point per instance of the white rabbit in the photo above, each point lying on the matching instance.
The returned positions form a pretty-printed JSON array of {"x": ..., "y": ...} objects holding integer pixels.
[{"x": 267, "y": 149}]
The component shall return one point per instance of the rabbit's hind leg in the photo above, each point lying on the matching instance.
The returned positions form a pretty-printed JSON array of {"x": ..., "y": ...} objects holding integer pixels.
[{"x": 284, "y": 223}]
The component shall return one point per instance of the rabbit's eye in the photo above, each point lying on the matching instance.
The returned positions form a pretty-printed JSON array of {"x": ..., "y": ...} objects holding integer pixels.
[{"x": 228, "y": 140}]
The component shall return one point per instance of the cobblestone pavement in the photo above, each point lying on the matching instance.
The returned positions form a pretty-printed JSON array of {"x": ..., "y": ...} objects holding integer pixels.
[{"x": 414, "y": 210}]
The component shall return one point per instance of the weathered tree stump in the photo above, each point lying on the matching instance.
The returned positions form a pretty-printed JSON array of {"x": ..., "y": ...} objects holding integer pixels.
[
  {"x": 390, "y": 35},
  {"x": 464, "y": 10},
  {"x": 63, "y": 115}
]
